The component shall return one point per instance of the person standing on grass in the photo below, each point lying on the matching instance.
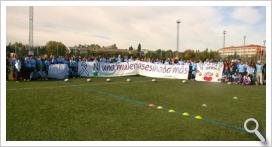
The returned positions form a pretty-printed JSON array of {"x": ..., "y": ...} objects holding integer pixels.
[
  {"x": 193, "y": 64},
  {"x": 226, "y": 72},
  {"x": 33, "y": 63},
  {"x": 40, "y": 68},
  {"x": 23, "y": 69},
  {"x": 264, "y": 73},
  {"x": 190, "y": 69},
  {"x": 7, "y": 68},
  {"x": 27, "y": 67},
  {"x": 259, "y": 73},
  {"x": 32, "y": 67},
  {"x": 251, "y": 72},
  {"x": 232, "y": 69},
  {"x": 241, "y": 68},
  {"x": 44, "y": 68},
  {"x": 46, "y": 64},
  {"x": 18, "y": 66},
  {"x": 12, "y": 69}
]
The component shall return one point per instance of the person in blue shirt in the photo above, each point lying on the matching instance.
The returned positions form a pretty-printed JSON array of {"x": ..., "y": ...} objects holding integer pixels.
[
  {"x": 125, "y": 59},
  {"x": 41, "y": 68},
  {"x": 28, "y": 67},
  {"x": 190, "y": 70},
  {"x": 12, "y": 67},
  {"x": 259, "y": 73},
  {"x": 47, "y": 63},
  {"x": 233, "y": 77},
  {"x": 102, "y": 59},
  {"x": 53, "y": 60},
  {"x": 33, "y": 63},
  {"x": 33, "y": 68},
  {"x": 39, "y": 63},
  {"x": 241, "y": 68},
  {"x": 119, "y": 59},
  {"x": 250, "y": 69},
  {"x": 180, "y": 62},
  {"x": 130, "y": 59},
  {"x": 60, "y": 60},
  {"x": 112, "y": 60},
  {"x": 193, "y": 64},
  {"x": 167, "y": 61},
  {"x": 66, "y": 61},
  {"x": 107, "y": 60},
  {"x": 72, "y": 67}
]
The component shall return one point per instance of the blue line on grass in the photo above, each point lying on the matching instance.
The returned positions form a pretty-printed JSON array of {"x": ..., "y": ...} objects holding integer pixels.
[{"x": 143, "y": 103}]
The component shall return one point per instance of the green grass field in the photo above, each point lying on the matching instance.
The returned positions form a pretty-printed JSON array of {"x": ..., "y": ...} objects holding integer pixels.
[{"x": 118, "y": 110}]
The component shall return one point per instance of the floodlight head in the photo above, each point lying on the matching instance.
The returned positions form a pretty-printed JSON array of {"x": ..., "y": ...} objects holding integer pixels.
[{"x": 178, "y": 21}]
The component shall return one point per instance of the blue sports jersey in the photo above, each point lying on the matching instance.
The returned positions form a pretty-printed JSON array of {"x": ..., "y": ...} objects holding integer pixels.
[
  {"x": 119, "y": 59},
  {"x": 250, "y": 70},
  {"x": 166, "y": 63},
  {"x": 130, "y": 59},
  {"x": 193, "y": 66},
  {"x": 54, "y": 61},
  {"x": 60, "y": 60},
  {"x": 46, "y": 62},
  {"x": 241, "y": 68},
  {"x": 180, "y": 62},
  {"x": 33, "y": 63},
  {"x": 259, "y": 68},
  {"x": 107, "y": 60},
  {"x": 27, "y": 62}
]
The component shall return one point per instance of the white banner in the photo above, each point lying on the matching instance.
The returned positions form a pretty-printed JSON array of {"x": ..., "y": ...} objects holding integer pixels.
[
  {"x": 211, "y": 72},
  {"x": 58, "y": 71},
  {"x": 91, "y": 69},
  {"x": 163, "y": 71}
]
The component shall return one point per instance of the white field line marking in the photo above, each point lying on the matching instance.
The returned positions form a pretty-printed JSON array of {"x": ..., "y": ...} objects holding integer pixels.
[{"x": 61, "y": 86}]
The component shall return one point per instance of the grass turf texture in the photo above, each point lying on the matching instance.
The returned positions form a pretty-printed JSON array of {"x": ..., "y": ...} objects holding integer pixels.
[{"x": 78, "y": 110}]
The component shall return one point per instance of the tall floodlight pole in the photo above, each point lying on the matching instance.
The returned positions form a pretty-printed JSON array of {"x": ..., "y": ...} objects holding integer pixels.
[
  {"x": 245, "y": 40},
  {"x": 264, "y": 50},
  {"x": 224, "y": 37},
  {"x": 57, "y": 50},
  {"x": 178, "y": 22},
  {"x": 30, "y": 39},
  {"x": 244, "y": 45}
]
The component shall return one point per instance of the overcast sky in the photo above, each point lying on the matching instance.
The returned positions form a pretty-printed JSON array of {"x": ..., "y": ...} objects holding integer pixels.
[{"x": 154, "y": 27}]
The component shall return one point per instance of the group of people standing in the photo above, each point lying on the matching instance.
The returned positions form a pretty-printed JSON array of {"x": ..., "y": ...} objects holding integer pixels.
[
  {"x": 37, "y": 67},
  {"x": 26, "y": 68},
  {"x": 245, "y": 73}
]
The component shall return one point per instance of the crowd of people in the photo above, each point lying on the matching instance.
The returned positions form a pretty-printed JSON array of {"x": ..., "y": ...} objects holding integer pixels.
[
  {"x": 36, "y": 67},
  {"x": 246, "y": 73}
]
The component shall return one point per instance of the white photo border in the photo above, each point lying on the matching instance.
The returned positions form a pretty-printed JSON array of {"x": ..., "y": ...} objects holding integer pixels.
[{"x": 4, "y": 4}]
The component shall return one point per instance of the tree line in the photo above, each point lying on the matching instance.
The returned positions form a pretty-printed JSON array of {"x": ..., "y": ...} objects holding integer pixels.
[{"x": 59, "y": 49}]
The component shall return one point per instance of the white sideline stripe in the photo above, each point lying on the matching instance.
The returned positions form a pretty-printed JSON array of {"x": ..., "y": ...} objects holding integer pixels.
[{"x": 30, "y": 88}]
